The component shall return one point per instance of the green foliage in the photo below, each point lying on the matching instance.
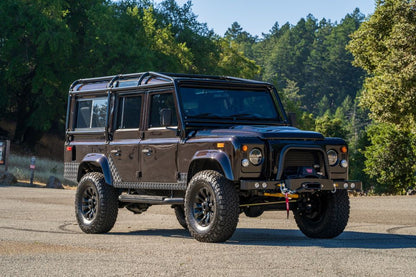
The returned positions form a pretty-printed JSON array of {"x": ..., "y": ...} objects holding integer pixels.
[
  {"x": 34, "y": 51},
  {"x": 323, "y": 106},
  {"x": 313, "y": 55},
  {"x": 45, "y": 45},
  {"x": 162, "y": 41},
  {"x": 357, "y": 162},
  {"x": 291, "y": 100},
  {"x": 243, "y": 39},
  {"x": 201, "y": 41},
  {"x": 330, "y": 127},
  {"x": 391, "y": 158},
  {"x": 385, "y": 46},
  {"x": 233, "y": 62}
]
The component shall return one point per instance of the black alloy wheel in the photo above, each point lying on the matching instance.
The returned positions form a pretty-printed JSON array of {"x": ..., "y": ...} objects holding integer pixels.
[
  {"x": 89, "y": 203},
  {"x": 204, "y": 206},
  {"x": 96, "y": 204},
  {"x": 211, "y": 207}
]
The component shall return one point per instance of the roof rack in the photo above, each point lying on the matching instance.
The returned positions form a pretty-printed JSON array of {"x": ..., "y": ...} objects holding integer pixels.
[{"x": 144, "y": 78}]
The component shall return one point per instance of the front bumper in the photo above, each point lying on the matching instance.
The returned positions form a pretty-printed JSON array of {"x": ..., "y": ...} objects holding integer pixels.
[{"x": 301, "y": 185}]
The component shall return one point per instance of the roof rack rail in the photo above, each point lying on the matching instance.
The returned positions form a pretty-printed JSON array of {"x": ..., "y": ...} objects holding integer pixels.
[
  {"x": 214, "y": 77},
  {"x": 111, "y": 80},
  {"x": 144, "y": 77}
]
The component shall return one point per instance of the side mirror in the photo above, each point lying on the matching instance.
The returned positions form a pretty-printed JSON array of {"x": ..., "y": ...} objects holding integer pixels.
[
  {"x": 292, "y": 119},
  {"x": 165, "y": 117}
]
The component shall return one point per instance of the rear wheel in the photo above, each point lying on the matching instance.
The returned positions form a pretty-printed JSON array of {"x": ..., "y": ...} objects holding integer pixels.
[
  {"x": 323, "y": 214},
  {"x": 180, "y": 215},
  {"x": 211, "y": 207},
  {"x": 96, "y": 204}
]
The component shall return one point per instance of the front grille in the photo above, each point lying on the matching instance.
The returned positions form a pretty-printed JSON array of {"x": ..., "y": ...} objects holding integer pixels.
[{"x": 296, "y": 160}]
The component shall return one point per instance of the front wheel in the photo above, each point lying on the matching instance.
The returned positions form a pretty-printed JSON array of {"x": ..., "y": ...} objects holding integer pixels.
[
  {"x": 323, "y": 214},
  {"x": 211, "y": 207},
  {"x": 96, "y": 204}
]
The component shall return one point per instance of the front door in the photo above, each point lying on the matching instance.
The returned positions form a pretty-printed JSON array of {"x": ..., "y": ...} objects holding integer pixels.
[{"x": 159, "y": 146}]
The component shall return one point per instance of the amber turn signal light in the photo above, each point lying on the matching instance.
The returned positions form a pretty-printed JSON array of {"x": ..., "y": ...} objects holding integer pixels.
[{"x": 344, "y": 149}]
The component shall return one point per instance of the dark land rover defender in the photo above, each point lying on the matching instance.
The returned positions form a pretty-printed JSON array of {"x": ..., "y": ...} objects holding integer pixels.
[{"x": 211, "y": 147}]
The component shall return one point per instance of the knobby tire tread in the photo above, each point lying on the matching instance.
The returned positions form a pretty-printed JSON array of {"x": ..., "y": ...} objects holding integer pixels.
[{"x": 334, "y": 220}]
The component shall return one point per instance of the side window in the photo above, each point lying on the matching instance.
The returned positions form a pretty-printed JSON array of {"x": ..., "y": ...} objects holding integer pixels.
[
  {"x": 91, "y": 113},
  {"x": 129, "y": 110},
  {"x": 160, "y": 103}
]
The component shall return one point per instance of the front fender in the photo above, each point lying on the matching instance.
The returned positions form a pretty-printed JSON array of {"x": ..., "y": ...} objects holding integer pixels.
[
  {"x": 97, "y": 161},
  {"x": 220, "y": 157}
]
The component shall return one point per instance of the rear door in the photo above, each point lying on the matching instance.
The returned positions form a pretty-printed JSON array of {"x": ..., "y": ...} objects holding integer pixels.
[{"x": 124, "y": 155}]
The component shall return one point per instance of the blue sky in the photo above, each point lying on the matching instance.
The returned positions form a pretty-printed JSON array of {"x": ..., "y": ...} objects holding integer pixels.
[{"x": 258, "y": 16}]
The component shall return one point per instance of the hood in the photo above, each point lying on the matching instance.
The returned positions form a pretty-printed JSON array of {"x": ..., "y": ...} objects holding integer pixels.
[{"x": 266, "y": 132}]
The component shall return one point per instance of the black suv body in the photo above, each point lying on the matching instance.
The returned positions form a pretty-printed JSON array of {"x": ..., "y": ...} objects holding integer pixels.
[{"x": 210, "y": 146}]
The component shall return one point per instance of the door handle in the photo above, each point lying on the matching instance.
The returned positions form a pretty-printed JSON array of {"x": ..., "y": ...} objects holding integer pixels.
[
  {"x": 147, "y": 151},
  {"x": 116, "y": 152}
]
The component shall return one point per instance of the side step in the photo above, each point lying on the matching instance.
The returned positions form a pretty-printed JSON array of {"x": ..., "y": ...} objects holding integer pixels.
[{"x": 149, "y": 199}]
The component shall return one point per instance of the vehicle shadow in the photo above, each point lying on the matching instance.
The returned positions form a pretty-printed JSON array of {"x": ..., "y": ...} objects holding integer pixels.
[{"x": 294, "y": 238}]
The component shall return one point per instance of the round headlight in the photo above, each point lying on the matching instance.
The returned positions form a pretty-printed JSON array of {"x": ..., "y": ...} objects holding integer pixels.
[
  {"x": 332, "y": 157},
  {"x": 255, "y": 156},
  {"x": 344, "y": 163}
]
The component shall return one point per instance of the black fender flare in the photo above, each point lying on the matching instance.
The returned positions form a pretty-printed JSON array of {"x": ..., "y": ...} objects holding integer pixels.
[
  {"x": 218, "y": 156},
  {"x": 96, "y": 160}
]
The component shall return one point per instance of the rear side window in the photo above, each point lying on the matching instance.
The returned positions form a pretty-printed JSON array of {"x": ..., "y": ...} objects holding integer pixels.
[
  {"x": 91, "y": 113},
  {"x": 129, "y": 111}
]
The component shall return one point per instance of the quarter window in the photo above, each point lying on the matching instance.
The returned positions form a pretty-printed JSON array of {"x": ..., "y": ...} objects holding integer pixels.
[{"x": 91, "y": 113}]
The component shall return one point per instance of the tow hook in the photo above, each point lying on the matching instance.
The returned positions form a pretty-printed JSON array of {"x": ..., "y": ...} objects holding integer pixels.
[{"x": 335, "y": 188}]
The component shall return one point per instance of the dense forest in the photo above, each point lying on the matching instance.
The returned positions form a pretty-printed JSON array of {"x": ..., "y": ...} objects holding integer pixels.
[{"x": 354, "y": 79}]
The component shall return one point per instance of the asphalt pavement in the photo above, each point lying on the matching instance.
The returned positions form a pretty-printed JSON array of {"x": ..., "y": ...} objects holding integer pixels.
[{"x": 39, "y": 237}]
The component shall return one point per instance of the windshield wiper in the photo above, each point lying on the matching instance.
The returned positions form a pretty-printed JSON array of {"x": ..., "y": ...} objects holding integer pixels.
[
  {"x": 243, "y": 115},
  {"x": 205, "y": 115}
]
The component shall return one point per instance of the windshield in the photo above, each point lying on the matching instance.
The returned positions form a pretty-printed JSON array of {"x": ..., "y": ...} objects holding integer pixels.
[{"x": 228, "y": 104}]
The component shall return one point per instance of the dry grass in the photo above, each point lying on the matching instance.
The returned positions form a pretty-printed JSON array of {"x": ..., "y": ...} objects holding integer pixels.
[{"x": 19, "y": 166}]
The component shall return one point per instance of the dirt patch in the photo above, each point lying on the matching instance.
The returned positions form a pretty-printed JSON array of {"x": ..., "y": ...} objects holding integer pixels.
[{"x": 19, "y": 248}]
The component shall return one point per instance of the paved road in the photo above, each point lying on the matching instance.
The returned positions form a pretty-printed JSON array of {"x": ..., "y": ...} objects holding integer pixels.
[{"x": 39, "y": 237}]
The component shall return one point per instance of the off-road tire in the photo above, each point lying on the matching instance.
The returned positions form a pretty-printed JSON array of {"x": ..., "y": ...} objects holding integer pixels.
[
  {"x": 180, "y": 215},
  {"x": 329, "y": 215},
  {"x": 96, "y": 204},
  {"x": 211, "y": 207}
]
